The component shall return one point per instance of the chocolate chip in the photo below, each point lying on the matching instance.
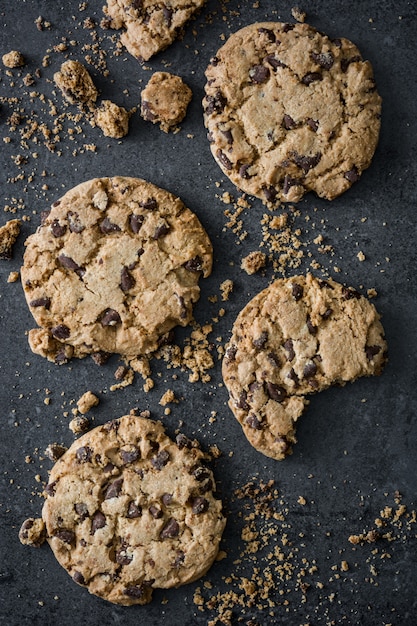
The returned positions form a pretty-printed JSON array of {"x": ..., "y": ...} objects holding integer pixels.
[
  {"x": 133, "y": 510},
  {"x": 98, "y": 521},
  {"x": 216, "y": 103},
  {"x": 122, "y": 557},
  {"x": 224, "y": 160},
  {"x": 57, "y": 229},
  {"x": 155, "y": 511},
  {"x": 293, "y": 376},
  {"x": 274, "y": 62},
  {"x": 54, "y": 451},
  {"x": 313, "y": 124},
  {"x": 288, "y": 122},
  {"x": 275, "y": 392},
  {"x": 161, "y": 230},
  {"x": 372, "y": 351},
  {"x": 81, "y": 510},
  {"x": 78, "y": 578},
  {"x": 352, "y": 175},
  {"x": 170, "y": 530},
  {"x": 61, "y": 357},
  {"x": 50, "y": 488},
  {"x": 134, "y": 591},
  {"x": 327, "y": 314},
  {"x": 310, "y": 369},
  {"x": 65, "y": 535},
  {"x": 183, "y": 441},
  {"x": 199, "y": 505},
  {"x": 110, "y": 318},
  {"x": 201, "y": 473},
  {"x": 270, "y": 193},
  {"x": 70, "y": 264},
  {"x": 289, "y": 347},
  {"x": 44, "y": 216},
  {"x": 306, "y": 163},
  {"x": 344, "y": 63},
  {"x": 150, "y": 204},
  {"x": 290, "y": 181},
  {"x": 241, "y": 401},
  {"x": 253, "y": 422},
  {"x": 60, "y": 332},
  {"x": 114, "y": 489},
  {"x": 231, "y": 353},
  {"x": 349, "y": 293},
  {"x": 84, "y": 454},
  {"x": 324, "y": 59},
  {"x": 126, "y": 280},
  {"x": 311, "y": 77},
  {"x": 243, "y": 171},
  {"x": 146, "y": 111},
  {"x": 228, "y": 135},
  {"x": 311, "y": 328},
  {"x": 108, "y": 227},
  {"x": 283, "y": 441},
  {"x": 160, "y": 460},
  {"x": 131, "y": 455},
  {"x": 260, "y": 341},
  {"x": 136, "y": 222},
  {"x": 45, "y": 302},
  {"x": 166, "y": 498},
  {"x": 259, "y": 74},
  {"x": 179, "y": 559},
  {"x": 101, "y": 357},
  {"x": 74, "y": 222},
  {"x": 268, "y": 32},
  {"x": 194, "y": 265},
  {"x": 297, "y": 291},
  {"x": 273, "y": 358},
  {"x": 287, "y": 27}
]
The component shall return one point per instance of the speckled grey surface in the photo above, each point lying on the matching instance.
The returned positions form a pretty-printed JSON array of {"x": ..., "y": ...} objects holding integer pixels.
[{"x": 357, "y": 445}]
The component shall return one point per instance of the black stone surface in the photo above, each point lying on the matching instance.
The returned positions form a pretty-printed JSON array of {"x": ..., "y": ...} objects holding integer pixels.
[{"x": 357, "y": 445}]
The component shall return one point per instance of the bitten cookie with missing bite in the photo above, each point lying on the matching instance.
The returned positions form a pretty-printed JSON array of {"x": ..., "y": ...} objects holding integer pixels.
[
  {"x": 150, "y": 26},
  {"x": 289, "y": 110},
  {"x": 128, "y": 510},
  {"x": 114, "y": 266},
  {"x": 297, "y": 337}
]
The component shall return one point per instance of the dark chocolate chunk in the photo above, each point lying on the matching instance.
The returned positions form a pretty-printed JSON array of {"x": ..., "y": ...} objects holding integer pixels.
[
  {"x": 243, "y": 171},
  {"x": 166, "y": 498},
  {"x": 108, "y": 227},
  {"x": 311, "y": 77},
  {"x": 288, "y": 122},
  {"x": 110, "y": 318},
  {"x": 131, "y": 455},
  {"x": 201, "y": 473},
  {"x": 274, "y": 62},
  {"x": 84, "y": 454},
  {"x": 348, "y": 293},
  {"x": 231, "y": 353},
  {"x": 372, "y": 351},
  {"x": 70, "y": 264},
  {"x": 133, "y": 510},
  {"x": 57, "y": 229},
  {"x": 168, "y": 13},
  {"x": 253, "y": 422},
  {"x": 310, "y": 369},
  {"x": 228, "y": 134},
  {"x": 50, "y": 488},
  {"x": 60, "y": 332},
  {"x": 136, "y": 222},
  {"x": 101, "y": 357},
  {"x": 78, "y": 578},
  {"x": 270, "y": 193},
  {"x": 216, "y": 103},
  {"x": 273, "y": 358},
  {"x": 150, "y": 204},
  {"x": 306, "y": 163},
  {"x": 293, "y": 376},
  {"x": 126, "y": 280},
  {"x": 311, "y": 328},
  {"x": 194, "y": 265},
  {"x": 134, "y": 591},
  {"x": 224, "y": 160},
  {"x": 155, "y": 511},
  {"x": 268, "y": 32},
  {"x": 297, "y": 291},
  {"x": 352, "y": 175},
  {"x": 289, "y": 347},
  {"x": 289, "y": 181},
  {"x": 344, "y": 63},
  {"x": 259, "y": 74},
  {"x": 114, "y": 489},
  {"x": 45, "y": 302},
  {"x": 275, "y": 392},
  {"x": 260, "y": 341},
  {"x": 160, "y": 460},
  {"x": 199, "y": 505},
  {"x": 74, "y": 222},
  {"x": 65, "y": 535},
  {"x": 327, "y": 314},
  {"x": 324, "y": 59},
  {"x": 98, "y": 521},
  {"x": 312, "y": 123},
  {"x": 81, "y": 510},
  {"x": 161, "y": 230},
  {"x": 183, "y": 441},
  {"x": 241, "y": 402},
  {"x": 170, "y": 530}
]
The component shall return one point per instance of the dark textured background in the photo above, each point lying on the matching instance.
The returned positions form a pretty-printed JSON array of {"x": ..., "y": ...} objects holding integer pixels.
[{"x": 352, "y": 455}]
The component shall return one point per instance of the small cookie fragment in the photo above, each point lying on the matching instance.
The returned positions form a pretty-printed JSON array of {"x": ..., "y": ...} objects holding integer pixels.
[
  {"x": 112, "y": 119},
  {"x": 13, "y": 59},
  {"x": 253, "y": 262},
  {"x": 295, "y": 338},
  {"x": 33, "y": 532},
  {"x": 54, "y": 451},
  {"x": 75, "y": 83},
  {"x": 128, "y": 510},
  {"x": 79, "y": 424},
  {"x": 289, "y": 110},
  {"x": 298, "y": 14},
  {"x": 87, "y": 401},
  {"x": 165, "y": 100},
  {"x": 8, "y": 235},
  {"x": 149, "y": 27},
  {"x": 113, "y": 267}
]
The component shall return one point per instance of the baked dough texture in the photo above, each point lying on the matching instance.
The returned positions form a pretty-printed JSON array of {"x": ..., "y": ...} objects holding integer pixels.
[
  {"x": 114, "y": 266},
  {"x": 129, "y": 510},
  {"x": 289, "y": 110},
  {"x": 295, "y": 338}
]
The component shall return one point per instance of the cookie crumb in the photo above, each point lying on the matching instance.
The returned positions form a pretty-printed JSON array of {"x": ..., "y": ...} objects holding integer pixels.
[
  {"x": 32, "y": 532},
  {"x": 75, "y": 83},
  {"x": 13, "y": 59},
  {"x": 13, "y": 277},
  {"x": 87, "y": 401},
  {"x": 168, "y": 398},
  {"x": 112, "y": 120},
  {"x": 54, "y": 451},
  {"x": 253, "y": 262},
  {"x": 298, "y": 14},
  {"x": 8, "y": 235},
  {"x": 226, "y": 289},
  {"x": 79, "y": 424},
  {"x": 164, "y": 100}
]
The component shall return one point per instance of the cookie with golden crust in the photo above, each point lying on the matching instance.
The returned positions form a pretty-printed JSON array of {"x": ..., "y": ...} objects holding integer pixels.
[
  {"x": 289, "y": 110},
  {"x": 128, "y": 510},
  {"x": 114, "y": 266},
  {"x": 297, "y": 337},
  {"x": 149, "y": 26}
]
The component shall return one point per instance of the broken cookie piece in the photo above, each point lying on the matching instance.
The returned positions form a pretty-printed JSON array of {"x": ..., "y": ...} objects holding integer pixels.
[
  {"x": 165, "y": 100},
  {"x": 13, "y": 59},
  {"x": 112, "y": 119},
  {"x": 33, "y": 532},
  {"x": 8, "y": 235},
  {"x": 76, "y": 83}
]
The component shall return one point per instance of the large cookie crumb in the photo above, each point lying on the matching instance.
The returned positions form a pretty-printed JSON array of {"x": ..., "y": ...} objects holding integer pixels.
[
  {"x": 8, "y": 235},
  {"x": 13, "y": 59},
  {"x": 112, "y": 119},
  {"x": 165, "y": 100},
  {"x": 76, "y": 83}
]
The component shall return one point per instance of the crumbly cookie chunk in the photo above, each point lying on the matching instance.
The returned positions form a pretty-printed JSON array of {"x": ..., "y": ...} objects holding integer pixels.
[
  {"x": 165, "y": 99},
  {"x": 87, "y": 401},
  {"x": 32, "y": 532},
  {"x": 254, "y": 262},
  {"x": 113, "y": 267},
  {"x": 128, "y": 510},
  {"x": 8, "y": 235},
  {"x": 295, "y": 338},
  {"x": 13, "y": 59},
  {"x": 289, "y": 111},
  {"x": 112, "y": 119},
  {"x": 76, "y": 83},
  {"x": 150, "y": 26}
]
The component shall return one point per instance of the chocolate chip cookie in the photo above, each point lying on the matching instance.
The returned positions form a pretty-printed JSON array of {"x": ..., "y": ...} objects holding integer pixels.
[
  {"x": 289, "y": 110},
  {"x": 150, "y": 26},
  {"x": 128, "y": 510},
  {"x": 297, "y": 337},
  {"x": 114, "y": 266}
]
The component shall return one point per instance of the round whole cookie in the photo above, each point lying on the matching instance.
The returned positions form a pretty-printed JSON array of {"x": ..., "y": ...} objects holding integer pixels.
[
  {"x": 289, "y": 110},
  {"x": 297, "y": 337},
  {"x": 127, "y": 510},
  {"x": 114, "y": 266}
]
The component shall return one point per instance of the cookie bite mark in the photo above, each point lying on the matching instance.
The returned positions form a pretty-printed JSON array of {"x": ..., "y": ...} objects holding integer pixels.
[{"x": 297, "y": 337}]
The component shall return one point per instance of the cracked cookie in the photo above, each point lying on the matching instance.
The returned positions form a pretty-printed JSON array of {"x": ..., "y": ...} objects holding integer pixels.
[
  {"x": 149, "y": 26},
  {"x": 114, "y": 266},
  {"x": 128, "y": 510},
  {"x": 289, "y": 110},
  {"x": 297, "y": 337}
]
